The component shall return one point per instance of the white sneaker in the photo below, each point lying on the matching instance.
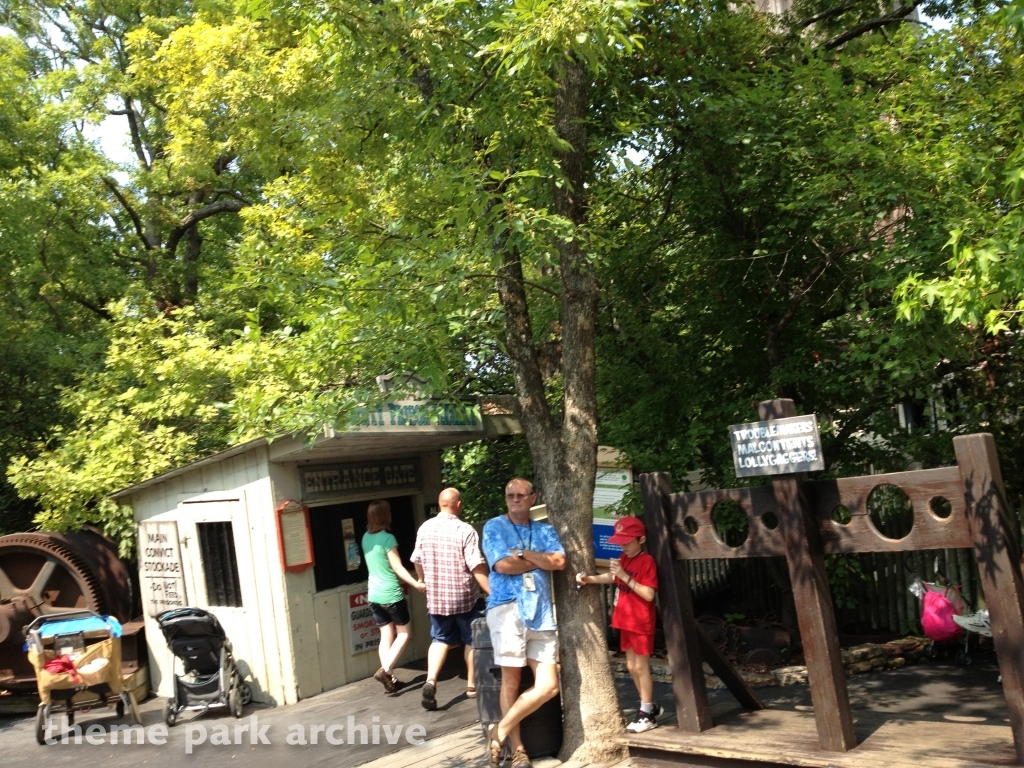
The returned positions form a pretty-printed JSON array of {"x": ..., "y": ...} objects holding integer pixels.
[
  {"x": 645, "y": 721},
  {"x": 976, "y": 622}
]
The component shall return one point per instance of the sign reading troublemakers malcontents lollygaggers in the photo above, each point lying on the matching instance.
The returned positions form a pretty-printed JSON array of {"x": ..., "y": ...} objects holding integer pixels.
[{"x": 777, "y": 447}]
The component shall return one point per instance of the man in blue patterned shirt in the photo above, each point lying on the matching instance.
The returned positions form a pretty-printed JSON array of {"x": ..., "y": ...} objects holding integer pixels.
[{"x": 520, "y": 613}]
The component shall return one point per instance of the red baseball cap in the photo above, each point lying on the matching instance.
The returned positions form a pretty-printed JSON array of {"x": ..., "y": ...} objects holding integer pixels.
[{"x": 627, "y": 529}]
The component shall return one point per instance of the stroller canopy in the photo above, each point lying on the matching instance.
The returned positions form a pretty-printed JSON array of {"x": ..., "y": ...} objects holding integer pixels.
[{"x": 189, "y": 622}]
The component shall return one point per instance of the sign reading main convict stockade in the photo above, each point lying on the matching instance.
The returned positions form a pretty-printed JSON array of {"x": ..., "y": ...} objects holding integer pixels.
[{"x": 777, "y": 447}]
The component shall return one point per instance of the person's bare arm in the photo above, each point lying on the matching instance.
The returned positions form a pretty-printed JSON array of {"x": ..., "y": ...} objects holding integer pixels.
[
  {"x": 480, "y": 573},
  {"x": 402, "y": 573},
  {"x": 616, "y": 570},
  {"x": 419, "y": 571},
  {"x": 530, "y": 561},
  {"x": 595, "y": 578},
  {"x": 546, "y": 561},
  {"x": 647, "y": 593}
]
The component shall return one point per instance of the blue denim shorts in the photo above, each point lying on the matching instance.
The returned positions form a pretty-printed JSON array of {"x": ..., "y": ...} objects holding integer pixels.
[{"x": 455, "y": 629}]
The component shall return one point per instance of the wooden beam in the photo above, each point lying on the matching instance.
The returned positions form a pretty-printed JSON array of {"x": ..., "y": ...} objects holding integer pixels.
[
  {"x": 818, "y": 632},
  {"x": 727, "y": 673},
  {"x": 998, "y": 565},
  {"x": 681, "y": 634}
]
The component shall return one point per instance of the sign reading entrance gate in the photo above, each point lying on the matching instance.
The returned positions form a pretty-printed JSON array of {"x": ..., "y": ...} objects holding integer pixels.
[
  {"x": 777, "y": 447},
  {"x": 383, "y": 475},
  {"x": 160, "y": 574}
]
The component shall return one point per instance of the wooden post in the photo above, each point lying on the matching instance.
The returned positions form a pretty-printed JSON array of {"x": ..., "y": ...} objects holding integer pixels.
[
  {"x": 727, "y": 673},
  {"x": 998, "y": 565},
  {"x": 818, "y": 631},
  {"x": 681, "y": 633}
]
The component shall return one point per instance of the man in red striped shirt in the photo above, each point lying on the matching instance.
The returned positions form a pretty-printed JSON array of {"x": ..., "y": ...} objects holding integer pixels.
[{"x": 448, "y": 560}]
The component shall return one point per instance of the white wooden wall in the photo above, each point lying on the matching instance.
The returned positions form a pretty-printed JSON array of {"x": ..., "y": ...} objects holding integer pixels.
[
  {"x": 236, "y": 489},
  {"x": 293, "y": 640}
]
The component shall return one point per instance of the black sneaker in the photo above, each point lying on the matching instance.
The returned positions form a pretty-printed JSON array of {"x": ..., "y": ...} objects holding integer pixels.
[
  {"x": 645, "y": 721},
  {"x": 429, "y": 696}
]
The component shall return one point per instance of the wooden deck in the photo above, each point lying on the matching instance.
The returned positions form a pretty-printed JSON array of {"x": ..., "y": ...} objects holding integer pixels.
[
  {"x": 464, "y": 749},
  {"x": 772, "y": 738}
]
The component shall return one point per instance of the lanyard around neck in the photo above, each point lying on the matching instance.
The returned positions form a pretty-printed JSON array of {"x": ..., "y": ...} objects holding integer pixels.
[{"x": 529, "y": 526}]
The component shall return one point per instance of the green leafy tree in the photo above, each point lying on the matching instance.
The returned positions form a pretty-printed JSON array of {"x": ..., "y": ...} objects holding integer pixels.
[{"x": 55, "y": 283}]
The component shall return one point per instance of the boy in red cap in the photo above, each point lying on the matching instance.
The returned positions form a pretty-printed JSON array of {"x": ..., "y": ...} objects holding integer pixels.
[{"x": 636, "y": 577}]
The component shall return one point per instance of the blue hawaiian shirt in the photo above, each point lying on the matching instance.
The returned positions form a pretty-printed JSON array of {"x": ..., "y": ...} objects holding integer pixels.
[{"x": 501, "y": 538}]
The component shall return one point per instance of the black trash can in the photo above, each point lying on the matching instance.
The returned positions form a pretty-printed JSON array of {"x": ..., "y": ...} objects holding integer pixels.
[{"x": 541, "y": 731}]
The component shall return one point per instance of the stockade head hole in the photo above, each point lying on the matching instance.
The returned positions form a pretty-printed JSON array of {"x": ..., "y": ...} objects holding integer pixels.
[{"x": 902, "y": 511}]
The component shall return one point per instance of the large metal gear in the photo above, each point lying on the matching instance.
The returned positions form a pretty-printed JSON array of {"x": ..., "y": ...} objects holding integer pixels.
[{"x": 46, "y": 573}]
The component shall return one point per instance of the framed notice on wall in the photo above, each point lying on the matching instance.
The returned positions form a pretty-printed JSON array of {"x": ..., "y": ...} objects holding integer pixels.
[
  {"x": 293, "y": 536},
  {"x": 160, "y": 573}
]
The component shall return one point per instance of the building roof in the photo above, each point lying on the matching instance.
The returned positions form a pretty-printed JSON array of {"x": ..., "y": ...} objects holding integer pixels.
[{"x": 396, "y": 427}]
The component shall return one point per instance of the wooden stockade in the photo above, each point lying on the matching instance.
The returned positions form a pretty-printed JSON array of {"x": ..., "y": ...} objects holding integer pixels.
[{"x": 793, "y": 518}]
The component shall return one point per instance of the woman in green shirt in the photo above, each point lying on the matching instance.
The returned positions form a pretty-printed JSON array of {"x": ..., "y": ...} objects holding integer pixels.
[{"x": 387, "y": 601}]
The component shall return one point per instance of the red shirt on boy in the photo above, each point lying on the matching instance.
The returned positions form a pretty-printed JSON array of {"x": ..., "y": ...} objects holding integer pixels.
[{"x": 632, "y": 613}]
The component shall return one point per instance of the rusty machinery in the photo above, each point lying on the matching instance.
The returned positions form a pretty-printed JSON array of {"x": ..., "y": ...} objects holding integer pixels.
[{"x": 45, "y": 573}]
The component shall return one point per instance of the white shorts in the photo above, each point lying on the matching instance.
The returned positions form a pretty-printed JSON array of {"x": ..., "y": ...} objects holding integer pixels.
[{"x": 514, "y": 643}]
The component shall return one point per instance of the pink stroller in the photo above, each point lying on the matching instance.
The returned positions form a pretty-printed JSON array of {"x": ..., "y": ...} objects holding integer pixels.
[{"x": 938, "y": 607}]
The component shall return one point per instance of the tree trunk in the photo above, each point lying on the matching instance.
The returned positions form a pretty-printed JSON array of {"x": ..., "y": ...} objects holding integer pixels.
[{"x": 565, "y": 454}]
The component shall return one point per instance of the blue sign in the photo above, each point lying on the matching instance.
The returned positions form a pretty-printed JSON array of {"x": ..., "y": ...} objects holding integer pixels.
[{"x": 603, "y": 530}]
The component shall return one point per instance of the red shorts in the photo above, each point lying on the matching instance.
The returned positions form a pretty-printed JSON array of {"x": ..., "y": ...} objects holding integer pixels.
[{"x": 641, "y": 644}]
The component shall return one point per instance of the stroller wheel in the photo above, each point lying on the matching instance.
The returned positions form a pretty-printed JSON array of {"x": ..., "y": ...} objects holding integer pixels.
[
  {"x": 931, "y": 651},
  {"x": 120, "y": 708},
  {"x": 246, "y": 693},
  {"x": 963, "y": 658},
  {"x": 71, "y": 717},
  {"x": 170, "y": 716},
  {"x": 42, "y": 718},
  {"x": 235, "y": 700}
]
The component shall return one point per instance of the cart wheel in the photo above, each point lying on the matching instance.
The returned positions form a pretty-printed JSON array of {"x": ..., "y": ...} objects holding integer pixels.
[
  {"x": 42, "y": 717},
  {"x": 120, "y": 708},
  {"x": 246, "y": 693},
  {"x": 963, "y": 658},
  {"x": 170, "y": 716},
  {"x": 235, "y": 701},
  {"x": 127, "y": 701}
]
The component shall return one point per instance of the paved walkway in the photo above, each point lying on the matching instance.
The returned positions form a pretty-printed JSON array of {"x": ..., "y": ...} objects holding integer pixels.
[
  {"x": 360, "y": 709},
  {"x": 939, "y": 692},
  {"x": 464, "y": 749}
]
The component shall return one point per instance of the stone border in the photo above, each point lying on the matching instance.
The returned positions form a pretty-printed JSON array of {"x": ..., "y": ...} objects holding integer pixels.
[{"x": 870, "y": 657}]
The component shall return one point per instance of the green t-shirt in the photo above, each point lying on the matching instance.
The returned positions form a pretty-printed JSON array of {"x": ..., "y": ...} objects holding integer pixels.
[{"x": 383, "y": 587}]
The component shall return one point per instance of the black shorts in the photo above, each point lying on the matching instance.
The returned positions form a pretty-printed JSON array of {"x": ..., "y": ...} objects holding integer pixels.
[{"x": 391, "y": 613}]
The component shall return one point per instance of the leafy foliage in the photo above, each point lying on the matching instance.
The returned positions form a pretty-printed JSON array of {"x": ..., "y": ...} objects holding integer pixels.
[{"x": 480, "y": 470}]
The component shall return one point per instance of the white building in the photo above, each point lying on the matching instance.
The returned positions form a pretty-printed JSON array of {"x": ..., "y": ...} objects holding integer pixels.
[{"x": 234, "y": 534}]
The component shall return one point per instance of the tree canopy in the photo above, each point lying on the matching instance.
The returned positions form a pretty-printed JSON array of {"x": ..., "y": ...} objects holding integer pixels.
[{"x": 636, "y": 219}]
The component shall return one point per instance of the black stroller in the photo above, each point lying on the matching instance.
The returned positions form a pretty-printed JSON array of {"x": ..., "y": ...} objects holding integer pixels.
[{"x": 211, "y": 677}]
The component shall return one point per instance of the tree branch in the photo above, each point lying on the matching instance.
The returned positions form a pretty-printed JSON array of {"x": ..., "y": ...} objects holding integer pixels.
[
  {"x": 233, "y": 194},
  {"x": 521, "y": 351},
  {"x": 795, "y": 302},
  {"x": 221, "y": 206},
  {"x": 133, "y": 129},
  {"x": 136, "y": 221},
  {"x": 483, "y": 84},
  {"x": 828, "y": 14},
  {"x": 556, "y": 294},
  {"x": 868, "y": 26}
]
